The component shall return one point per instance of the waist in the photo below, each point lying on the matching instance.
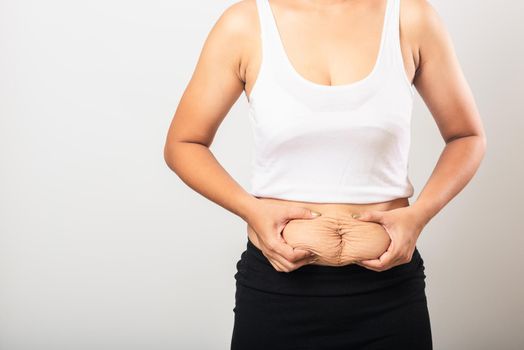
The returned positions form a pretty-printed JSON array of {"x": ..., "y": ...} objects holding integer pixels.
[
  {"x": 255, "y": 271},
  {"x": 341, "y": 208},
  {"x": 335, "y": 237}
]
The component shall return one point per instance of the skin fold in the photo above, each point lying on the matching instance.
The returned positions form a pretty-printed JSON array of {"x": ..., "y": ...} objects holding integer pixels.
[{"x": 337, "y": 239}]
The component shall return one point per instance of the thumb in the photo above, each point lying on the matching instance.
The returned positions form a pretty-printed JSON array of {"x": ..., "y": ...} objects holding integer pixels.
[
  {"x": 369, "y": 215},
  {"x": 302, "y": 213}
]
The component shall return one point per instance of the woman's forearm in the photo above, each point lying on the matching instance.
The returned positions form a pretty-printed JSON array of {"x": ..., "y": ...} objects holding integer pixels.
[
  {"x": 456, "y": 166},
  {"x": 197, "y": 167}
]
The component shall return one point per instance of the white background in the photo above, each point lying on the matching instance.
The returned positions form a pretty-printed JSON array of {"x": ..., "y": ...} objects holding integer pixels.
[{"x": 95, "y": 229}]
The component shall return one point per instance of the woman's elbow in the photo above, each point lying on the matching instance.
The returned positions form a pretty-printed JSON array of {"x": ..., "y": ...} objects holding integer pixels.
[{"x": 169, "y": 154}]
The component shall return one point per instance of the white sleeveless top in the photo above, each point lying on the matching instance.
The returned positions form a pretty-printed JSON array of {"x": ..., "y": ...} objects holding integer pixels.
[{"x": 330, "y": 144}]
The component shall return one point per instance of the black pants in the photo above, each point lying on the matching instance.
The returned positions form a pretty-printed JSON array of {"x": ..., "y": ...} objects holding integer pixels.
[{"x": 327, "y": 308}]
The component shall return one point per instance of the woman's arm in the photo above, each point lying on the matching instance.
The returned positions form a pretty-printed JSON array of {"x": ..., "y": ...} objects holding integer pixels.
[
  {"x": 215, "y": 86},
  {"x": 441, "y": 84},
  {"x": 444, "y": 89}
]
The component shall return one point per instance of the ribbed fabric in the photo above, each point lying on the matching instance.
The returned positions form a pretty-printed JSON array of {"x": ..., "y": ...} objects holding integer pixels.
[{"x": 331, "y": 144}]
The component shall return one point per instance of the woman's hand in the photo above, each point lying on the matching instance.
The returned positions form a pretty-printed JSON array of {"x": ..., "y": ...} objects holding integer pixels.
[
  {"x": 268, "y": 223},
  {"x": 403, "y": 226}
]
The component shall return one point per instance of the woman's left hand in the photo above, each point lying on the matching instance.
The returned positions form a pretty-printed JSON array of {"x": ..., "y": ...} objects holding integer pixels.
[{"x": 404, "y": 226}]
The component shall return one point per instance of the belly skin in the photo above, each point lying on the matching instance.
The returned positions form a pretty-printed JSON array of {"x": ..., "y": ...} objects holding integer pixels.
[{"x": 337, "y": 239}]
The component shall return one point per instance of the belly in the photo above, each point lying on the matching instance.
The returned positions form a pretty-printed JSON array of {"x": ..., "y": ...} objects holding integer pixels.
[{"x": 336, "y": 238}]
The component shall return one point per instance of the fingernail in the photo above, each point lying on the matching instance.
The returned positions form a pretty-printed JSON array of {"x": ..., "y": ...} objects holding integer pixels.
[{"x": 315, "y": 213}]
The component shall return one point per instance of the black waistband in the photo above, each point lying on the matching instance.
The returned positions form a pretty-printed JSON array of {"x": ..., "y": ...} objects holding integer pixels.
[{"x": 255, "y": 271}]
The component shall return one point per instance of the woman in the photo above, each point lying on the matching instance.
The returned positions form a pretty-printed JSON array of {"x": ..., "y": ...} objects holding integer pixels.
[{"x": 331, "y": 259}]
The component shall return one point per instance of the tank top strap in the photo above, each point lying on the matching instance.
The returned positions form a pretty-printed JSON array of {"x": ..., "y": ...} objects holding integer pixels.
[
  {"x": 389, "y": 31},
  {"x": 268, "y": 32},
  {"x": 392, "y": 50},
  {"x": 395, "y": 23}
]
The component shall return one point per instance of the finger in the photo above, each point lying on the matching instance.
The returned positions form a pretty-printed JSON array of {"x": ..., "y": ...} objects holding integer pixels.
[
  {"x": 306, "y": 261},
  {"x": 367, "y": 267},
  {"x": 384, "y": 261},
  {"x": 274, "y": 259},
  {"x": 276, "y": 265},
  {"x": 291, "y": 266},
  {"x": 295, "y": 212},
  {"x": 378, "y": 264},
  {"x": 289, "y": 253},
  {"x": 281, "y": 247},
  {"x": 285, "y": 254},
  {"x": 284, "y": 265},
  {"x": 278, "y": 262},
  {"x": 369, "y": 215}
]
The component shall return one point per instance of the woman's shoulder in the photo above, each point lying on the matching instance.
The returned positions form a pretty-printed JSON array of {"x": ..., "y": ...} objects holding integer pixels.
[
  {"x": 419, "y": 14},
  {"x": 421, "y": 24},
  {"x": 238, "y": 19}
]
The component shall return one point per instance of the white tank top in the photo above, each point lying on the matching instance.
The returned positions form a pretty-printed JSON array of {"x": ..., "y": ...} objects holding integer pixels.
[{"x": 330, "y": 144}]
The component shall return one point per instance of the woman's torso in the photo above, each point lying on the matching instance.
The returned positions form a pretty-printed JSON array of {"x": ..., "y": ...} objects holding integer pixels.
[{"x": 319, "y": 44}]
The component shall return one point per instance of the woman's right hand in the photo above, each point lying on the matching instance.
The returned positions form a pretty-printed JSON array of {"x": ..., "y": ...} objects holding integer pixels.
[{"x": 268, "y": 222}]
